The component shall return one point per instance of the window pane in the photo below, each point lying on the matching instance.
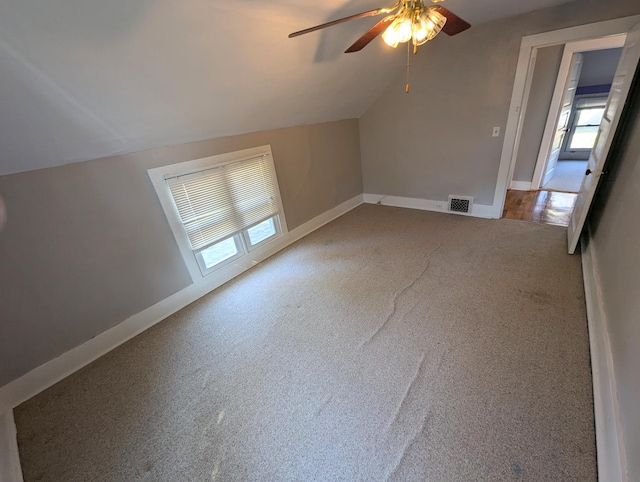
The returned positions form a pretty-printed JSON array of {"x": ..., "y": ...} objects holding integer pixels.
[
  {"x": 219, "y": 252},
  {"x": 261, "y": 231},
  {"x": 584, "y": 137},
  {"x": 590, "y": 117}
]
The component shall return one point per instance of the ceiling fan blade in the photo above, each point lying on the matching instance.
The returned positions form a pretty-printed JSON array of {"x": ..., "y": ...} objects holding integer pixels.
[
  {"x": 454, "y": 24},
  {"x": 370, "y": 13},
  {"x": 373, "y": 32}
]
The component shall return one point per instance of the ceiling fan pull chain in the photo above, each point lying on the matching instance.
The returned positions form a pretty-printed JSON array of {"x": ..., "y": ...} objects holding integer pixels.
[{"x": 406, "y": 89}]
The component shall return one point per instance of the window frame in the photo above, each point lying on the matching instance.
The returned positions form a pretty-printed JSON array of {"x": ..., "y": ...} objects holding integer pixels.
[
  {"x": 192, "y": 258},
  {"x": 202, "y": 264},
  {"x": 575, "y": 125},
  {"x": 247, "y": 240},
  {"x": 579, "y": 153}
]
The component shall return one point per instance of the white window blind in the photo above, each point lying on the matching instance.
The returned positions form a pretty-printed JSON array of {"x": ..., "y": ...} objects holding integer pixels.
[
  {"x": 221, "y": 201},
  {"x": 591, "y": 102}
]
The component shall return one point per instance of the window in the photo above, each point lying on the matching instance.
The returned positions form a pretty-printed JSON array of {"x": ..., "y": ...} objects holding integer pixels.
[
  {"x": 261, "y": 232},
  {"x": 221, "y": 208},
  {"x": 218, "y": 253},
  {"x": 586, "y": 121}
]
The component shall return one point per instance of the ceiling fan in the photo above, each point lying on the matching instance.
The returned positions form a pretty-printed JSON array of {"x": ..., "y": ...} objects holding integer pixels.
[{"x": 408, "y": 20}]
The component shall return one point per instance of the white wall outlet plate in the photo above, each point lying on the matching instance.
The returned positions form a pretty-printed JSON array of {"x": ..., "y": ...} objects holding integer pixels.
[{"x": 496, "y": 131}]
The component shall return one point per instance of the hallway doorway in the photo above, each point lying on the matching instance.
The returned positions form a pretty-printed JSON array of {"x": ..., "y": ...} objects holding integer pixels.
[
  {"x": 542, "y": 207},
  {"x": 572, "y": 126},
  {"x": 567, "y": 176}
]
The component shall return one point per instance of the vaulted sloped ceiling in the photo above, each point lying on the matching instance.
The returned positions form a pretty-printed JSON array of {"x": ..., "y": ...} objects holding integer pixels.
[{"x": 83, "y": 79}]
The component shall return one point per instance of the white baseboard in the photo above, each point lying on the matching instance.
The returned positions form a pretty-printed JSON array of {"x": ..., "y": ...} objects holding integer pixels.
[
  {"x": 609, "y": 441},
  {"x": 37, "y": 380},
  {"x": 477, "y": 210},
  {"x": 10, "y": 470},
  {"x": 520, "y": 186},
  {"x": 324, "y": 218}
]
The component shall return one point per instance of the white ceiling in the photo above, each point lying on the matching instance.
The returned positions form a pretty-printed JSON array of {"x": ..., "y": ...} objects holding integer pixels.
[
  {"x": 83, "y": 79},
  {"x": 599, "y": 67}
]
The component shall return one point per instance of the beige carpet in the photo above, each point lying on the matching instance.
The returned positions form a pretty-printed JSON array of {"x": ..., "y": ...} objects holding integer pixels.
[{"x": 391, "y": 344}]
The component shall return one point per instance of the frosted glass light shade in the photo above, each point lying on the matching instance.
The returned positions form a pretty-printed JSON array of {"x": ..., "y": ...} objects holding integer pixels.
[
  {"x": 390, "y": 37},
  {"x": 400, "y": 30},
  {"x": 417, "y": 25},
  {"x": 428, "y": 25}
]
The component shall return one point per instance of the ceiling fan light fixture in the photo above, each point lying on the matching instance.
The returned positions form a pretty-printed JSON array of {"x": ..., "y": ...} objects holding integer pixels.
[
  {"x": 400, "y": 30},
  {"x": 405, "y": 20},
  {"x": 390, "y": 37},
  {"x": 418, "y": 24},
  {"x": 420, "y": 32},
  {"x": 431, "y": 23}
]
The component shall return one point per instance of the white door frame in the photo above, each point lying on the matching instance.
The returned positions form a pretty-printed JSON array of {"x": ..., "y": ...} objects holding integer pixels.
[
  {"x": 524, "y": 73},
  {"x": 570, "y": 49}
]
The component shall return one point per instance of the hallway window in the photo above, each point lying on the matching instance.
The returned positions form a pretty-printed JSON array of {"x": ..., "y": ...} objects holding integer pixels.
[{"x": 586, "y": 121}]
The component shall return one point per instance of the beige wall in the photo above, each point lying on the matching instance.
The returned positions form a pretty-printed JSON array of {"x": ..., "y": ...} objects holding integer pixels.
[
  {"x": 616, "y": 225},
  {"x": 542, "y": 84},
  {"x": 436, "y": 140},
  {"x": 87, "y": 245}
]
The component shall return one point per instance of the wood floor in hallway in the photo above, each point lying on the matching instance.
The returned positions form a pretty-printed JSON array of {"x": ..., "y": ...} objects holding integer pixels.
[{"x": 545, "y": 207}]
